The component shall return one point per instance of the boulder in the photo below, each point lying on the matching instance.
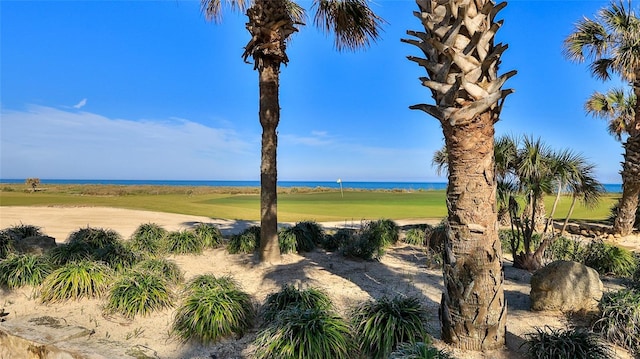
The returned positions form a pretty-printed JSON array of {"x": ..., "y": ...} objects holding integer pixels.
[
  {"x": 34, "y": 245},
  {"x": 565, "y": 286}
]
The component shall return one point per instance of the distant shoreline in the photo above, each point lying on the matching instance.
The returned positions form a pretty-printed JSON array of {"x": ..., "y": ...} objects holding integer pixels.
[{"x": 362, "y": 185}]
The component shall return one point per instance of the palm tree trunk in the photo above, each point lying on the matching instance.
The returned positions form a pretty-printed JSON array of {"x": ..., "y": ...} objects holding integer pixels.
[
  {"x": 473, "y": 308},
  {"x": 553, "y": 209},
  {"x": 269, "y": 117},
  {"x": 566, "y": 220},
  {"x": 626, "y": 216}
]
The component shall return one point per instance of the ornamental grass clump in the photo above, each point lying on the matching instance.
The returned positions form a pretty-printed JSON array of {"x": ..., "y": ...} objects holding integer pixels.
[
  {"x": 10, "y": 235},
  {"x": 308, "y": 235},
  {"x": 416, "y": 236},
  {"x": 419, "y": 350},
  {"x": 610, "y": 259},
  {"x": 287, "y": 240},
  {"x": 246, "y": 241},
  {"x": 94, "y": 238},
  {"x": 118, "y": 255},
  {"x": 149, "y": 238},
  {"x": 139, "y": 293},
  {"x": 183, "y": 242},
  {"x": 310, "y": 333},
  {"x": 19, "y": 270},
  {"x": 619, "y": 321},
  {"x": 212, "y": 311},
  {"x": 75, "y": 280},
  {"x": 290, "y": 296},
  {"x": 337, "y": 240},
  {"x": 69, "y": 252},
  {"x": 380, "y": 325},
  {"x": 166, "y": 268},
  {"x": 386, "y": 229},
  {"x": 574, "y": 343},
  {"x": 208, "y": 234}
]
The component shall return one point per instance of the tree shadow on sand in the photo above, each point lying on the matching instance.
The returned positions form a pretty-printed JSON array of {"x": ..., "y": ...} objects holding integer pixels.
[{"x": 402, "y": 271}]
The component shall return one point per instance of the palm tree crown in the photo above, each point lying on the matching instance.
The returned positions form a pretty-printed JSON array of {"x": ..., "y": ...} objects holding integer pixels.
[{"x": 616, "y": 106}]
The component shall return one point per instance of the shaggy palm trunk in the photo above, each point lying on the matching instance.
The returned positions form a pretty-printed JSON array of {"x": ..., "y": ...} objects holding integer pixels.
[
  {"x": 269, "y": 118},
  {"x": 626, "y": 216},
  {"x": 461, "y": 62},
  {"x": 473, "y": 308}
]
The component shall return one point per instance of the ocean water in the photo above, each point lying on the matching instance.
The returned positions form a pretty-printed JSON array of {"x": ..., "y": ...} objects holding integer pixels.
[{"x": 410, "y": 186}]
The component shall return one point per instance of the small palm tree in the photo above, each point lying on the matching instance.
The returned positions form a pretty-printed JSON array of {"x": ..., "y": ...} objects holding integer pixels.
[
  {"x": 271, "y": 24},
  {"x": 612, "y": 41}
]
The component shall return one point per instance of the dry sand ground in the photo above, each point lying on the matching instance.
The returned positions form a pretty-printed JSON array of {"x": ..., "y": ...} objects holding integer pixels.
[{"x": 402, "y": 270}]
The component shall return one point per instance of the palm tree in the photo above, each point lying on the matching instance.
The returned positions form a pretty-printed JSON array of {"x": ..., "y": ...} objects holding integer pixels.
[
  {"x": 271, "y": 23},
  {"x": 612, "y": 41},
  {"x": 461, "y": 63},
  {"x": 617, "y": 106}
]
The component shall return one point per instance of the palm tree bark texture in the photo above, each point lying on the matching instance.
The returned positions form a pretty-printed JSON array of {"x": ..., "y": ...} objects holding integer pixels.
[
  {"x": 270, "y": 25},
  {"x": 461, "y": 63}
]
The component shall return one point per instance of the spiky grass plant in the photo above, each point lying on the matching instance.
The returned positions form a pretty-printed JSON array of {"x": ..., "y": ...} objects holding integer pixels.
[
  {"x": 94, "y": 238},
  {"x": 118, "y": 255},
  {"x": 419, "y": 350},
  {"x": 139, "y": 293},
  {"x": 387, "y": 230},
  {"x": 289, "y": 296},
  {"x": 6, "y": 245},
  {"x": 149, "y": 238},
  {"x": 183, "y": 242},
  {"x": 75, "y": 280},
  {"x": 212, "y": 311},
  {"x": 287, "y": 240},
  {"x": 308, "y": 235},
  {"x": 22, "y": 231},
  {"x": 19, "y": 270},
  {"x": 246, "y": 241},
  {"x": 208, "y": 234},
  {"x": 69, "y": 252},
  {"x": 620, "y": 318},
  {"x": 380, "y": 325},
  {"x": 166, "y": 268},
  {"x": 566, "y": 249},
  {"x": 210, "y": 281},
  {"x": 574, "y": 343},
  {"x": 337, "y": 240},
  {"x": 415, "y": 236},
  {"x": 310, "y": 333},
  {"x": 365, "y": 245},
  {"x": 610, "y": 259}
]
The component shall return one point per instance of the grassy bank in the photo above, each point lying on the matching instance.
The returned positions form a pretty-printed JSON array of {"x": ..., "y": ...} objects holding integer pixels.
[{"x": 294, "y": 204}]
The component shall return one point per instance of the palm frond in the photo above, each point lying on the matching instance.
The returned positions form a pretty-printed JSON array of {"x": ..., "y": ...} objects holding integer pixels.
[
  {"x": 353, "y": 23},
  {"x": 212, "y": 9},
  {"x": 589, "y": 39}
]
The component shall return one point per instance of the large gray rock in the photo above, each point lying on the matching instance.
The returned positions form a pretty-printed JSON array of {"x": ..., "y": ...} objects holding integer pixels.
[{"x": 565, "y": 286}]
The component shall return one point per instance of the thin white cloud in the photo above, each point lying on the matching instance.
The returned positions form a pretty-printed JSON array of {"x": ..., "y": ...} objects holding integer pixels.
[
  {"x": 52, "y": 143},
  {"x": 80, "y": 104}
]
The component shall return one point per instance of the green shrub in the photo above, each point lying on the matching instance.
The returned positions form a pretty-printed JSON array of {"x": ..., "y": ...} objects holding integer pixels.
[
  {"x": 550, "y": 343},
  {"x": 419, "y": 350},
  {"x": 94, "y": 238},
  {"x": 117, "y": 255},
  {"x": 246, "y": 241},
  {"x": 183, "y": 242},
  {"x": 287, "y": 240},
  {"x": 23, "y": 269},
  {"x": 208, "y": 234},
  {"x": 11, "y": 234},
  {"x": 311, "y": 333},
  {"x": 566, "y": 249},
  {"x": 167, "y": 269},
  {"x": 416, "y": 236},
  {"x": 291, "y": 296},
  {"x": 69, "y": 252},
  {"x": 308, "y": 235},
  {"x": 620, "y": 318},
  {"x": 386, "y": 230},
  {"x": 213, "y": 312},
  {"x": 337, "y": 240},
  {"x": 380, "y": 325},
  {"x": 149, "y": 238},
  {"x": 610, "y": 259},
  {"x": 75, "y": 280},
  {"x": 139, "y": 293},
  {"x": 365, "y": 245}
]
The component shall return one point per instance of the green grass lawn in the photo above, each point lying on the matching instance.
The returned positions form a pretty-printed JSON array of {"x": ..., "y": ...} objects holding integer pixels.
[{"x": 294, "y": 204}]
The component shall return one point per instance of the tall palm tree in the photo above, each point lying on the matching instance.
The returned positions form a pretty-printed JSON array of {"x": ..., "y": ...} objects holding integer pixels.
[
  {"x": 612, "y": 41},
  {"x": 461, "y": 64},
  {"x": 617, "y": 106},
  {"x": 271, "y": 23}
]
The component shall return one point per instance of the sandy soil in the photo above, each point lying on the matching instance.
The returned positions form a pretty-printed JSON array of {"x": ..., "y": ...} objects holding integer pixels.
[{"x": 402, "y": 270}]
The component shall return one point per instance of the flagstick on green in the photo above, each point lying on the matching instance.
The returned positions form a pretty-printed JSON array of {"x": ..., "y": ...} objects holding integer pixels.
[{"x": 340, "y": 182}]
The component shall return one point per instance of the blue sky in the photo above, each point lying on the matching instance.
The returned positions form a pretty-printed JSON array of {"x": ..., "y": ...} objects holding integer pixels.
[{"x": 150, "y": 90}]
